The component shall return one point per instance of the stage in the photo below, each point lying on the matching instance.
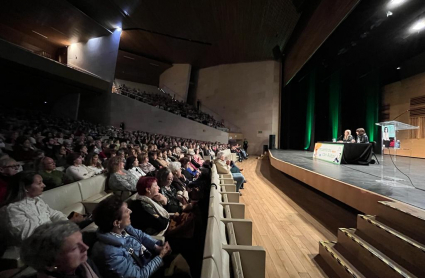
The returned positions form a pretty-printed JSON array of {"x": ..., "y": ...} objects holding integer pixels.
[{"x": 358, "y": 186}]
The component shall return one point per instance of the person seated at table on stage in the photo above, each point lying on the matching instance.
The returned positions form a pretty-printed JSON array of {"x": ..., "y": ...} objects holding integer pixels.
[
  {"x": 361, "y": 136},
  {"x": 348, "y": 138}
]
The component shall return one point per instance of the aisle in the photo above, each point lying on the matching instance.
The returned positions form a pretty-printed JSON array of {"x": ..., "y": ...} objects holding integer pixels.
[{"x": 282, "y": 212}]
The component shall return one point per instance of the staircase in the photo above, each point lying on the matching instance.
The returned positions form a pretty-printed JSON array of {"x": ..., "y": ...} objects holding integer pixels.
[{"x": 390, "y": 244}]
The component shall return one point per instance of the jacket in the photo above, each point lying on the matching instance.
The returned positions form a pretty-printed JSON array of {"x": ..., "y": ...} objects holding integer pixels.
[
  {"x": 222, "y": 167},
  {"x": 112, "y": 256}
]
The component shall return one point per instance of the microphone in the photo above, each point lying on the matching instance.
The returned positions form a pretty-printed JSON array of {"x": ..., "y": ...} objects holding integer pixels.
[
  {"x": 401, "y": 114},
  {"x": 340, "y": 137}
]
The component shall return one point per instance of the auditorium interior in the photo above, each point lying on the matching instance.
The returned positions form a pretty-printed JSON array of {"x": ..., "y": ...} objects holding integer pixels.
[{"x": 212, "y": 138}]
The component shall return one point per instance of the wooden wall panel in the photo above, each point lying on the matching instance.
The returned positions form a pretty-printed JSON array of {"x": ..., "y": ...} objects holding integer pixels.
[{"x": 327, "y": 16}]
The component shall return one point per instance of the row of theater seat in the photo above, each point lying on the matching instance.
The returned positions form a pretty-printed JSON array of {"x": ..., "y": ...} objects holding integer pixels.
[{"x": 228, "y": 250}]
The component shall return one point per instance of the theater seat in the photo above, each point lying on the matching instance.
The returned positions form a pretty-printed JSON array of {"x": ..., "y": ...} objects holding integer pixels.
[
  {"x": 65, "y": 198},
  {"x": 93, "y": 192},
  {"x": 219, "y": 259}
]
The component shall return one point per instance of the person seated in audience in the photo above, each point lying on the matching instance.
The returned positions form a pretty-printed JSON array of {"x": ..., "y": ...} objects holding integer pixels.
[
  {"x": 361, "y": 136},
  {"x": 165, "y": 154},
  {"x": 186, "y": 170},
  {"x": 97, "y": 146},
  {"x": 119, "y": 178},
  {"x": 57, "y": 250},
  {"x": 27, "y": 211},
  {"x": 51, "y": 177},
  {"x": 60, "y": 156},
  {"x": 49, "y": 146},
  {"x": 82, "y": 149},
  {"x": 192, "y": 163},
  {"x": 102, "y": 153},
  {"x": 23, "y": 151},
  {"x": 180, "y": 182},
  {"x": 176, "y": 202},
  {"x": 161, "y": 160},
  {"x": 153, "y": 156},
  {"x": 223, "y": 167},
  {"x": 197, "y": 157},
  {"x": 93, "y": 163},
  {"x": 77, "y": 170},
  {"x": 144, "y": 164},
  {"x": 8, "y": 178},
  {"x": 132, "y": 165},
  {"x": 116, "y": 237}
]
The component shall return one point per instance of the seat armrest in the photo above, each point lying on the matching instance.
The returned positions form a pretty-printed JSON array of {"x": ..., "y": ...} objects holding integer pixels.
[
  {"x": 161, "y": 238},
  {"x": 253, "y": 259},
  {"x": 233, "y": 197},
  {"x": 229, "y": 187},
  {"x": 236, "y": 209},
  {"x": 243, "y": 230},
  {"x": 225, "y": 176},
  {"x": 11, "y": 258}
]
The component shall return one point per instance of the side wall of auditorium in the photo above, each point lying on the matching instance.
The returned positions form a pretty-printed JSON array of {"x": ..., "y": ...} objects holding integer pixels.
[
  {"x": 397, "y": 97},
  {"x": 246, "y": 95}
]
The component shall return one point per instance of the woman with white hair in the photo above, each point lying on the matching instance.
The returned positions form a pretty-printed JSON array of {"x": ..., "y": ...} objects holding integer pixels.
[
  {"x": 179, "y": 182},
  {"x": 57, "y": 250},
  {"x": 223, "y": 167}
]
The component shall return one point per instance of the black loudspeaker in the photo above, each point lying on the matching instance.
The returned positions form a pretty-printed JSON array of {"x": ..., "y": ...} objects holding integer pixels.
[{"x": 272, "y": 140}]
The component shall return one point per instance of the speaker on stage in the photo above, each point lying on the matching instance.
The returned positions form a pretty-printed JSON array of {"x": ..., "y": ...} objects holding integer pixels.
[{"x": 272, "y": 140}]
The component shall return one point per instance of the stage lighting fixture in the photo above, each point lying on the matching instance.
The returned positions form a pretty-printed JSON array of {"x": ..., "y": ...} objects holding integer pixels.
[
  {"x": 389, "y": 13},
  {"x": 395, "y": 3},
  {"x": 398, "y": 68},
  {"x": 418, "y": 26}
]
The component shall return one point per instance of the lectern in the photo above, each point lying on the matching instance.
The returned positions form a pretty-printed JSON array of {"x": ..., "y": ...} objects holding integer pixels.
[{"x": 389, "y": 132}]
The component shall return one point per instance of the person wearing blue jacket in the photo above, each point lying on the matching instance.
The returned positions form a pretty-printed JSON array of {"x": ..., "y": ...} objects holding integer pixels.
[{"x": 121, "y": 250}]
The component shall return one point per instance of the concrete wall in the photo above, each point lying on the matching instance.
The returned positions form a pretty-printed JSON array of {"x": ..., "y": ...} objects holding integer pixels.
[
  {"x": 175, "y": 80},
  {"x": 247, "y": 95},
  {"x": 139, "y": 116},
  {"x": 97, "y": 55},
  {"x": 134, "y": 85}
]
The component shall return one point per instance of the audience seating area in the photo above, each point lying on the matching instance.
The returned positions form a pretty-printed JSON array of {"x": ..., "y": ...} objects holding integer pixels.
[
  {"x": 166, "y": 102},
  {"x": 228, "y": 250}
]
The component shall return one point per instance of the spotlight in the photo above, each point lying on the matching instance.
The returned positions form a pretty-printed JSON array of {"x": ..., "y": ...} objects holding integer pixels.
[
  {"x": 118, "y": 28},
  {"x": 418, "y": 26},
  {"x": 389, "y": 13},
  {"x": 45, "y": 102},
  {"x": 398, "y": 68}
]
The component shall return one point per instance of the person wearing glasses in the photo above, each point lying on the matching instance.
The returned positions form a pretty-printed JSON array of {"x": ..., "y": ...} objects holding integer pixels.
[{"x": 8, "y": 170}]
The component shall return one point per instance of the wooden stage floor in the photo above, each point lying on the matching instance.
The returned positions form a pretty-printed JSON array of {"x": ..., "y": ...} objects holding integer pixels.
[
  {"x": 377, "y": 181},
  {"x": 289, "y": 219}
]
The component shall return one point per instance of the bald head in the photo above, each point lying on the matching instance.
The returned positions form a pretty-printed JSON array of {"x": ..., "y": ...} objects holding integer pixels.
[{"x": 48, "y": 164}]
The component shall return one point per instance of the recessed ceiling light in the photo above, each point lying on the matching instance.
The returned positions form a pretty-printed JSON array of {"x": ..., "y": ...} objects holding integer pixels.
[
  {"x": 39, "y": 34},
  {"x": 398, "y": 68},
  {"x": 389, "y": 13}
]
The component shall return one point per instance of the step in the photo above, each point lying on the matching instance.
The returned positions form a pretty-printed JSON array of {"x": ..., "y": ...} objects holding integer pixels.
[
  {"x": 404, "y": 218},
  {"x": 369, "y": 256},
  {"x": 337, "y": 262},
  {"x": 405, "y": 251}
]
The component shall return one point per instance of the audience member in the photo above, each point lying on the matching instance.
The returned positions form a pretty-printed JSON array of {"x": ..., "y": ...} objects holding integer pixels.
[
  {"x": 51, "y": 177},
  {"x": 77, "y": 170},
  {"x": 144, "y": 164},
  {"x": 8, "y": 178},
  {"x": 119, "y": 178},
  {"x": 223, "y": 167},
  {"x": 27, "y": 211},
  {"x": 57, "y": 250},
  {"x": 132, "y": 165},
  {"x": 116, "y": 237},
  {"x": 93, "y": 163},
  {"x": 175, "y": 202}
]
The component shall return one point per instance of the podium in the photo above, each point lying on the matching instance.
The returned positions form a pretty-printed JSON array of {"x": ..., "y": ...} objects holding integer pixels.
[{"x": 389, "y": 131}]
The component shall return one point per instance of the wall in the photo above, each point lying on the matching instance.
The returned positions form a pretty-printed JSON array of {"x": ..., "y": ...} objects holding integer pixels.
[
  {"x": 398, "y": 96},
  {"x": 97, "y": 56},
  {"x": 139, "y": 116},
  {"x": 134, "y": 85},
  {"x": 175, "y": 80},
  {"x": 246, "y": 95}
]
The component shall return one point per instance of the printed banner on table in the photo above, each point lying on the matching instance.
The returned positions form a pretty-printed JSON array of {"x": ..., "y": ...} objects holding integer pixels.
[{"x": 328, "y": 152}]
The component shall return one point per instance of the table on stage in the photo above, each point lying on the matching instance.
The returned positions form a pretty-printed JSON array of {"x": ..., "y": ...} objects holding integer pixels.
[{"x": 353, "y": 153}]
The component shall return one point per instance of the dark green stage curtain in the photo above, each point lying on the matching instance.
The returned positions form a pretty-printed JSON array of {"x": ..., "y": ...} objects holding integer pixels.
[
  {"x": 371, "y": 87},
  {"x": 335, "y": 102},
  {"x": 311, "y": 94}
]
